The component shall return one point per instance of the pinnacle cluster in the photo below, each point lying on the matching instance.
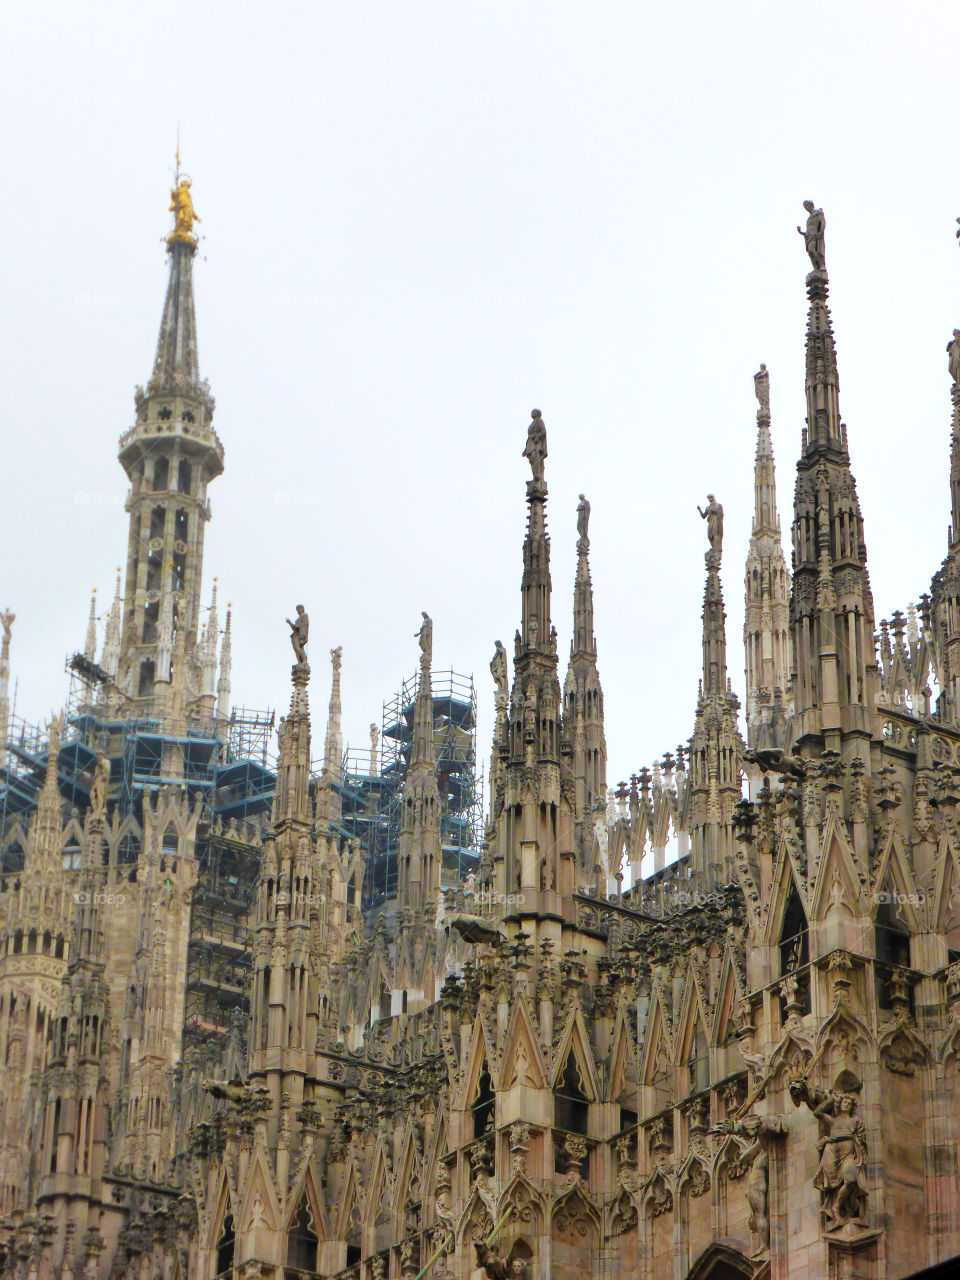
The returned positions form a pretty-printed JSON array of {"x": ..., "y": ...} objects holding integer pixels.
[{"x": 266, "y": 1017}]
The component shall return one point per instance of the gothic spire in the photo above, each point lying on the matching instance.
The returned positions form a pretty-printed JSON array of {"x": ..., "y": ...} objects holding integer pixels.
[
  {"x": 170, "y": 455},
  {"x": 832, "y": 605},
  {"x": 292, "y": 802},
  {"x": 766, "y": 634},
  {"x": 110, "y": 653},
  {"x": 90, "y": 642},
  {"x": 583, "y": 697},
  {"x": 536, "y": 631},
  {"x": 716, "y": 745},
  {"x": 176, "y": 366},
  {"x": 226, "y": 661},
  {"x": 7, "y": 619},
  {"x": 329, "y": 803},
  {"x": 419, "y": 855}
]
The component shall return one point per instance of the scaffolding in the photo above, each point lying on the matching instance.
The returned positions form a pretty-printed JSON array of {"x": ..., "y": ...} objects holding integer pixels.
[
  {"x": 372, "y": 798},
  {"x": 219, "y": 953}
]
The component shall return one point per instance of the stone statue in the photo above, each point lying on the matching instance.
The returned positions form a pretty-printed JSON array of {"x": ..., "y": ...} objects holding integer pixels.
[
  {"x": 761, "y": 386},
  {"x": 498, "y": 669},
  {"x": 300, "y": 630},
  {"x": 336, "y": 657},
  {"x": 843, "y": 1150},
  {"x": 535, "y": 450},
  {"x": 583, "y": 520},
  {"x": 7, "y": 619},
  {"x": 491, "y": 1262},
  {"x": 714, "y": 518},
  {"x": 98, "y": 787},
  {"x": 374, "y": 741},
  {"x": 953, "y": 356},
  {"x": 181, "y": 206},
  {"x": 813, "y": 236},
  {"x": 755, "y": 1157},
  {"x": 425, "y": 636}
]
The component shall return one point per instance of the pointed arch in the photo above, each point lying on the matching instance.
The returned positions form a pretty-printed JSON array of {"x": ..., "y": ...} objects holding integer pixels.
[
  {"x": 522, "y": 1061},
  {"x": 721, "y": 1260}
]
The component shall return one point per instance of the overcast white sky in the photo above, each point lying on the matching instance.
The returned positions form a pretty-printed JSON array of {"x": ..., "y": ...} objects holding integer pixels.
[{"x": 424, "y": 218}]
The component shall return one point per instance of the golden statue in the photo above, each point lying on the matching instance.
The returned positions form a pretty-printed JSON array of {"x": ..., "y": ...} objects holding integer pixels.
[{"x": 181, "y": 205}]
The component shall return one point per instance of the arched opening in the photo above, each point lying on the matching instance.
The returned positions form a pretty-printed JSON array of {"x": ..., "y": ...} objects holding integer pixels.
[
  {"x": 484, "y": 1104},
  {"x": 225, "y": 1246},
  {"x": 180, "y": 525},
  {"x": 698, "y": 1064},
  {"x": 128, "y": 850},
  {"x": 161, "y": 473},
  {"x": 183, "y": 476},
  {"x": 892, "y": 941},
  {"x": 570, "y": 1104},
  {"x": 384, "y": 1003},
  {"x": 150, "y": 615},
  {"x": 795, "y": 947},
  {"x": 145, "y": 687},
  {"x": 302, "y": 1240},
  {"x": 721, "y": 1262}
]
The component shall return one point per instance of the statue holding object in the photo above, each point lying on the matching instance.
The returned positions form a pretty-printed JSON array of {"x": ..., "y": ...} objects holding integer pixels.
[{"x": 300, "y": 630}]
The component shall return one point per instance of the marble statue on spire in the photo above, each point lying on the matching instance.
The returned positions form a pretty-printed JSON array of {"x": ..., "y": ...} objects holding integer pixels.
[
  {"x": 761, "y": 386},
  {"x": 813, "y": 236},
  {"x": 425, "y": 636},
  {"x": 583, "y": 521},
  {"x": 713, "y": 514},
  {"x": 300, "y": 630},
  {"x": 498, "y": 669},
  {"x": 953, "y": 355},
  {"x": 535, "y": 450}
]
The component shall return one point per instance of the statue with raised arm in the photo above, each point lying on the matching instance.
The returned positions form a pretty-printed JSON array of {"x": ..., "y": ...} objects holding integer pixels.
[
  {"x": 814, "y": 236},
  {"x": 7, "y": 619},
  {"x": 761, "y": 387},
  {"x": 953, "y": 356},
  {"x": 713, "y": 514},
  {"x": 843, "y": 1149},
  {"x": 535, "y": 450},
  {"x": 299, "y": 632},
  {"x": 498, "y": 669},
  {"x": 336, "y": 658},
  {"x": 425, "y": 636},
  {"x": 583, "y": 521}
]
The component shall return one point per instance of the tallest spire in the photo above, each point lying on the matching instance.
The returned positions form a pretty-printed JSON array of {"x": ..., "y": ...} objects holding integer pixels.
[
  {"x": 170, "y": 454},
  {"x": 176, "y": 366}
]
